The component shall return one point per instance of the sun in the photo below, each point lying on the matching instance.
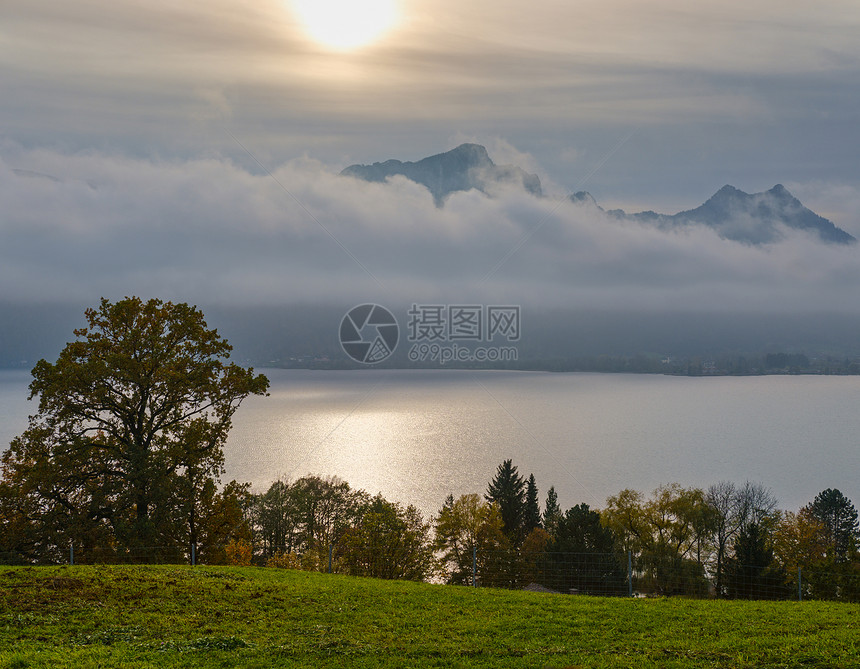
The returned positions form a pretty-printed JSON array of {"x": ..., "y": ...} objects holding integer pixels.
[{"x": 346, "y": 24}]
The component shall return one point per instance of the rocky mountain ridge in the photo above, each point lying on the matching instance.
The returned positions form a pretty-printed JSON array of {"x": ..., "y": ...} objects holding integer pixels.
[
  {"x": 465, "y": 168},
  {"x": 757, "y": 218}
]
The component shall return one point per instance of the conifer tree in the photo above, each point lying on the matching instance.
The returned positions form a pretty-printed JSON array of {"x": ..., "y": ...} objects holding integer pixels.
[
  {"x": 751, "y": 572},
  {"x": 532, "y": 513},
  {"x": 507, "y": 491},
  {"x": 839, "y": 517},
  {"x": 552, "y": 511}
]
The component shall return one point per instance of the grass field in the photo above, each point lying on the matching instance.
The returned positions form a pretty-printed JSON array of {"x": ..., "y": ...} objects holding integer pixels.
[{"x": 168, "y": 616}]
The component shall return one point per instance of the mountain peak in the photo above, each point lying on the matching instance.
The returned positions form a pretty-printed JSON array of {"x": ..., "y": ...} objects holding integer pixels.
[
  {"x": 781, "y": 192},
  {"x": 463, "y": 168},
  {"x": 760, "y": 217},
  {"x": 726, "y": 194},
  {"x": 582, "y": 196},
  {"x": 730, "y": 192},
  {"x": 474, "y": 152}
]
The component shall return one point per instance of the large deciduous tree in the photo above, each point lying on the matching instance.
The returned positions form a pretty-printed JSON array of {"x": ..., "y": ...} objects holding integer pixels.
[
  {"x": 306, "y": 516},
  {"x": 466, "y": 529},
  {"x": 800, "y": 541},
  {"x": 388, "y": 542},
  {"x": 666, "y": 534},
  {"x": 734, "y": 508},
  {"x": 129, "y": 433},
  {"x": 673, "y": 522}
]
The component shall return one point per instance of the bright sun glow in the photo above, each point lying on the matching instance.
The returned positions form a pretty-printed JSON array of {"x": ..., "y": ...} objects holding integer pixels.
[{"x": 346, "y": 24}]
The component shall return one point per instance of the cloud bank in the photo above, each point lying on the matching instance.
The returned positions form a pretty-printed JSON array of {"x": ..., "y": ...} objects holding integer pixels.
[{"x": 79, "y": 226}]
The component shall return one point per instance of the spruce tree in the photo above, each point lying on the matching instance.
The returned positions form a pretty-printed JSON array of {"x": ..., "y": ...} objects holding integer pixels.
[
  {"x": 751, "y": 572},
  {"x": 532, "y": 515},
  {"x": 839, "y": 517},
  {"x": 552, "y": 511},
  {"x": 580, "y": 557},
  {"x": 507, "y": 491}
]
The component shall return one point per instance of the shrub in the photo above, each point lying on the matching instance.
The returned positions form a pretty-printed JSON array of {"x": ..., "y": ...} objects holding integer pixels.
[
  {"x": 239, "y": 553},
  {"x": 284, "y": 561}
]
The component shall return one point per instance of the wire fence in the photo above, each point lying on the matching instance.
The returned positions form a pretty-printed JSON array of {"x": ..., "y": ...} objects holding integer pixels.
[
  {"x": 104, "y": 555},
  {"x": 587, "y": 574},
  {"x": 629, "y": 575}
]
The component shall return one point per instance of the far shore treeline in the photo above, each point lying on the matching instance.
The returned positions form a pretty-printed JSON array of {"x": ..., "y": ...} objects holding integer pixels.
[{"x": 123, "y": 462}]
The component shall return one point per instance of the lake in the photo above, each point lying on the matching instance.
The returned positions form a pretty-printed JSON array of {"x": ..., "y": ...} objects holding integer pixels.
[{"x": 418, "y": 435}]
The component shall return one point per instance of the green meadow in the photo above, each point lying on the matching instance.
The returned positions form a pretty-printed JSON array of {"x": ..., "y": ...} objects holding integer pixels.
[{"x": 169, "y": 616}]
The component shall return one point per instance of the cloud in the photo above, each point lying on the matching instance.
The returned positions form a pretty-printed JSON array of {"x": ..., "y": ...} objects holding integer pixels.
[
  {"x": 138, "y": 63},
  {"x": 209, "y": 231}
]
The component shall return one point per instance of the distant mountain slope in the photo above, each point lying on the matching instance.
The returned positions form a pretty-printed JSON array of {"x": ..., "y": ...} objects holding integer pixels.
[
  {"x": 755, "y": 218},
  {"x": 464, "y": 168},
  {"x": 758, "y": 218}
]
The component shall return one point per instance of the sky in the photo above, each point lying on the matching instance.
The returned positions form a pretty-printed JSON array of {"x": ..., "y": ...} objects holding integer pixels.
[{"x": 190, "y": 150}]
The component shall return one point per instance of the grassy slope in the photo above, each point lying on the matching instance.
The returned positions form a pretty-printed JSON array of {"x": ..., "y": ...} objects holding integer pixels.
[{"x": 227, "y": 616}]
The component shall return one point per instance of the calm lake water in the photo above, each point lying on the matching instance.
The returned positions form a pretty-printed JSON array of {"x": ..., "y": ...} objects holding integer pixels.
[{"x": 416, "y": 436}]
